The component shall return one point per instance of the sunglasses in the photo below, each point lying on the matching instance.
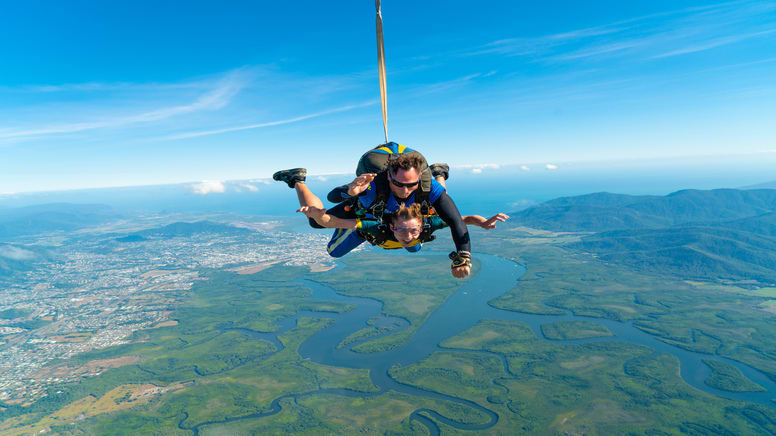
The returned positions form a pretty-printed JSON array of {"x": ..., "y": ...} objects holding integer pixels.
[{"x": 401, "y": 184}]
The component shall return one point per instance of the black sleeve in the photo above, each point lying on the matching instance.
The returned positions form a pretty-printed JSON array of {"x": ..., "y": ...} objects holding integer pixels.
[
  {"x": 446, "y": 209},
  {"x": 338, "y": 194}
]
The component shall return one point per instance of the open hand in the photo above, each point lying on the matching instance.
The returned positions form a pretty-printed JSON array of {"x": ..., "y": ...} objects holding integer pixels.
[
  {"x": 360, "y": 184},
  {"x": 490, "y": 223},
  {"x": 312, "y": 212}
]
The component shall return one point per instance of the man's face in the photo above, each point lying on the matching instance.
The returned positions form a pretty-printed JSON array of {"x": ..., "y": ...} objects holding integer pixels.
[
  {"x": 406, "y": 231},
  {"x": 403, "y": 182}
]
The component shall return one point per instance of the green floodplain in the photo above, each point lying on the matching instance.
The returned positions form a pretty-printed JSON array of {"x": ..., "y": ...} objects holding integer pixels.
[
  {"x": 564, "y": 330},
  {"x": 729, "y": 378},
  {"x": 208, "y": 375}
]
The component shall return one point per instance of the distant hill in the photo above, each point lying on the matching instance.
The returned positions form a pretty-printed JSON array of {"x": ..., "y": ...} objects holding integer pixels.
[
  {"x": 724, "y": 234},
  {"x": 605, "y": 212},
  {"x": 766, "y": 185},
  {"x": 186, "y": 229},
  {"x": 691, "y": 252},
  {"x": 52, "y": 217},
  {"x": 131, "y": 238}
]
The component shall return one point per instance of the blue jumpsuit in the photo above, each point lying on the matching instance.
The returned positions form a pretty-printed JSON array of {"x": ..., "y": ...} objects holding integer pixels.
[{"x": 343, "y": 241}]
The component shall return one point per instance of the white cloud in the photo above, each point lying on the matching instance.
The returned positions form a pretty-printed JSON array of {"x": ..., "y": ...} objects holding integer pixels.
[
  {"x": 551, "y": 167},
  {"x": 219, "y": 96},
  {"x": 664, "y": 34},
  {"x": 15, "y": 253},
  {"x": 208, "y": 187},
  {"x": 522, "y": 204},
  {"x": 248, "y": 186},
  {"x": 102, "y": 87},
  {"x": 444, "y": 85},
  {"x": 525, "y": 168},
  {"x": 322, "y": 179},
  {"x": 269, "y": 123},
  {"x": 713, "y": 43},
  {"x": 480, "y": 166}
]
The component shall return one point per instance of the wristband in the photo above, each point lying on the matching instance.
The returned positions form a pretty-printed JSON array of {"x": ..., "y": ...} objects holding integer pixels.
[{"x": 460, "y": 258}]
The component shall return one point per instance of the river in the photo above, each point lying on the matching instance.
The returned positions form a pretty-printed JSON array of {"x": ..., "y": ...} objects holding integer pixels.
[{"x": 462, "y": 310}]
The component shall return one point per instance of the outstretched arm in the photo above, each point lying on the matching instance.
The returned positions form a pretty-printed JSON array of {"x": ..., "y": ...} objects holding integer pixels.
[
  {"x": 446, "y": 209},
  {"x": 325, "y": 220},
  {"x": 485, "y": 223}
]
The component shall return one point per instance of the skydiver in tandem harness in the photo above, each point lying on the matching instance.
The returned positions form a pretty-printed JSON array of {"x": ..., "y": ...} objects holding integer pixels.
[{"x": 395, "y": 202}]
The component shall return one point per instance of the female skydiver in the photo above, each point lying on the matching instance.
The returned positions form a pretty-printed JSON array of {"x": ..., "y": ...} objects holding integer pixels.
[{"x": 406, "y": 227}]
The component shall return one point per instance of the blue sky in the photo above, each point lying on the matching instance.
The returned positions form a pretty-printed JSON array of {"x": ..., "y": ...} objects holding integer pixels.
[{"x": 96, "y": 94}]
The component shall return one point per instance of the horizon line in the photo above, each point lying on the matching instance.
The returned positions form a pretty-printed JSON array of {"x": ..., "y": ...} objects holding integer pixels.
[{"x": 541, "y": 165}]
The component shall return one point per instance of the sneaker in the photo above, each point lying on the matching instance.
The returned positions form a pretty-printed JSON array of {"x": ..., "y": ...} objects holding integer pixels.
[
  {"x": 440, "y": 169},
  {"x": 291, "y": 176}
]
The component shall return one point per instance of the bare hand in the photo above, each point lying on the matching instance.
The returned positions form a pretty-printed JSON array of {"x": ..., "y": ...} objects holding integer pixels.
[
  {"x": 360, "y": 184},
  {"x": 490, "y": 223},
  {"x": 312, "y": 212},
  {"x": 462, "y": 271}
]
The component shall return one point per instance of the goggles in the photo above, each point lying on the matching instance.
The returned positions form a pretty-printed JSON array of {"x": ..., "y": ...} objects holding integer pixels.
[{"x": 407, "y": 230}]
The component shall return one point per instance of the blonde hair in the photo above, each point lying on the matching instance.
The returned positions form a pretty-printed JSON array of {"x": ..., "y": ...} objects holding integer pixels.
[{"x": 408, "y": 213}]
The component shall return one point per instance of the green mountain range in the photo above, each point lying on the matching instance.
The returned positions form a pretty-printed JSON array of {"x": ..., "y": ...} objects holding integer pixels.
[
  {"x": 34, "y": 220},
  {"x": 726, "y": 234}
]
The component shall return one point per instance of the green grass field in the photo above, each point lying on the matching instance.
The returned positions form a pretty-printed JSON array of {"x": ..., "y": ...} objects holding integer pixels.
[
  {"x": 729, "y": 378},
  {"x": 597, "y": 388},
  {"x": 563, "y": 330}
]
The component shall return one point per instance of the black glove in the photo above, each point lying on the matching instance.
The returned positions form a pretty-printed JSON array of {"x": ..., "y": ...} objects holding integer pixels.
[{"x": 460, "y": 258}]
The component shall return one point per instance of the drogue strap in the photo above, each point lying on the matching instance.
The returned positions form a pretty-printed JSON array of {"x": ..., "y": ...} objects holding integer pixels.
[{"x": 381, "y": 69}]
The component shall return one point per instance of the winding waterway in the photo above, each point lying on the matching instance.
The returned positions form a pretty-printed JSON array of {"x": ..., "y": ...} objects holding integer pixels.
[{"x": 462, "y": 310}]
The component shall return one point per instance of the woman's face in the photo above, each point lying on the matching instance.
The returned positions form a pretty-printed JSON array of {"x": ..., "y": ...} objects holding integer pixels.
[{"x": 406, "y": 231}]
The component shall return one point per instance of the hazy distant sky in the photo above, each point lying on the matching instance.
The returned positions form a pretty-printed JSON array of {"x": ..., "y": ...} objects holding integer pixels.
[{"x": 139, "y": 92}]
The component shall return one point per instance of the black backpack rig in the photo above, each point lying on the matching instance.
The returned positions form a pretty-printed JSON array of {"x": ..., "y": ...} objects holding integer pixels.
[{"x": 376, "y": 161}]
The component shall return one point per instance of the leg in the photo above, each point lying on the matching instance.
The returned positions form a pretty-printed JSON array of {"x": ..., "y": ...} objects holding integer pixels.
[
  {"x": 295, "y": 178},
  {"x": 343, "y": 241},
  {"x": 440, "y": 172},
  {"x": 306, "y": 197}
]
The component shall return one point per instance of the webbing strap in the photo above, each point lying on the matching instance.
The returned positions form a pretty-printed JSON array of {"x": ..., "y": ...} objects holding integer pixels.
[{"x": 381, "y": 69}]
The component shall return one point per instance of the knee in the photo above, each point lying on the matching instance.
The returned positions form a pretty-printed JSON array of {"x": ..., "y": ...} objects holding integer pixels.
[
  {"x": 337, "y": 253},
  {"x": 314, "y": 224}
]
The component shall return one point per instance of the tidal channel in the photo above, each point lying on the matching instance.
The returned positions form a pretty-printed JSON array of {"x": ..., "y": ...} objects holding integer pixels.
[{"x": 462, "y": 310}]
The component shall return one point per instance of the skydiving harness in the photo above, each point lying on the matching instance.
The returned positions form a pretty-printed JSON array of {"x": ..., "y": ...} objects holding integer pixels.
[
  {"x": 376, "y": 210},
  {"x": 371, "y": 161},
  {"x": 385, "y": 234}
]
